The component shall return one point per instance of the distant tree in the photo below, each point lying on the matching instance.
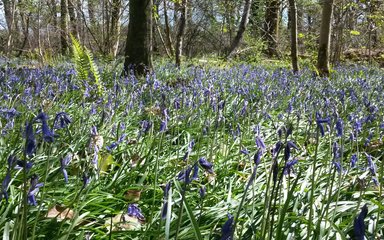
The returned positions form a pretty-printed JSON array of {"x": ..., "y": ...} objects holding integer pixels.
[
  {"x": 294, "y": 43},
  {"x": 271, "y": 27},
  {"x": 64, "y": 26},
  {"x": 242, "y": 27},
  {"x": 181, "y": 31},
  {"x": 138, "y": 49},
  {"x": 325, "y": 39}
]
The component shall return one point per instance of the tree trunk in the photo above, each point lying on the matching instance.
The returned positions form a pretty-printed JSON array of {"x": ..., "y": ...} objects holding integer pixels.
[
  {"x": 167, "y": 29},
  {"x": 243, "y": 25},
  {"x": 73, "y": 19},
  {"x": 9, "y": 12},
  {"x": 64, "y": 26},
  {"x": 91, "y": 12},
  {"x": 272, "y": 26},
  {"x": 138, "y": 50},
  {"x": 294, "y": 43},
  {"x": 114, "y": 32},
  {"x": 180, "y": 32},
  {"x": 325, "y": 39}
]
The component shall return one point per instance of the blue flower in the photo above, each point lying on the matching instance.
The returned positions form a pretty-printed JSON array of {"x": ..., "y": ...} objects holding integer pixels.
[
  {"x": 5, "y": 185},
  {"x": 166, "y": 189},
  {"x": 30, "y": 144},
  {"x": 244, "y": 151},
  {"x": 289, "y": 167},
  {"x": 63, "y": 164},
  {"x": 227, "y": 229},
  {"x": 320, "y": 121},
  {"x": 20, "y": 164},
  {"x": 48, "y": 135},
  {"x": 338, "y": 166},
  {"x": 206, "y": 165},
  {"x": 277, "y": 148},
  {"x": 85, "y": 179},
  {"x": 353, "y": 160},
  {"x": 184, "y": 175},
  {"x": 202, "y": 191},
  {"x": 164, "y": 210},
  {"x": 61, "y": 120},
  {"x": 134, "y": 211},
  {"x": 257, "y": 157},
  {"x": 34, "y": 189},
  {"x": 260, "y": 143},
  {"x": 358, "y": 224},
  {"x": 195, "y": 173},
  {"x": 371, "y": 165}
]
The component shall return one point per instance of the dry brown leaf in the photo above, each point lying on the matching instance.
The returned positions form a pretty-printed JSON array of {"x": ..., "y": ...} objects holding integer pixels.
[{"x": 60, "y": 213}]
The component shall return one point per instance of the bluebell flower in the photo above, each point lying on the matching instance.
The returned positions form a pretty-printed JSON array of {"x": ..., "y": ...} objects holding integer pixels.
[
  {"x": 34, "y": 189},
  {"x": 202, "y": 191},
  {"x": 85, "y": 179},
  {"x": 164, "y": 210},
  {"x": 244, "y": 151},
  {"x": 195, "y": 173},
  {"x": 184, "y": 175},
  {"x": 163, "y": 126},
  {"x": 48, "y": 135},
  {"x": 12, "y": 160},
  {"x": 112, "y": 146},
  {"x": 5, "y": 185},
  {"x": 20, "y": 164},
  {"x": 353, "y": 160},
  {"x": 289, "y": 166},
  {"x": 227, "y": 229},
  {"x": 63, "y": 164},
  {"x": 375, "y": 181},
  {"x": 275, "y": 171},
  {"x": 338, "y": 166},
  {"x": 8, "y": 113},
  {"x": 145, "y": 126},
  {"x": 30, "y": 145},
  {"x": 62, "y": 120},
  {"x": 371, "y": 165},
  {"x": 320, "y": 121},
  {"x": 287, "y": 150},
  {"x": 260, "y": 143},
  {"x": 206, "y": 165},
  {"x": 368, "y": 139},
  {"x": 358, "y": 224},
  {"x": 257, "y": 157},
  {"x": 166, "y": 189},
  {"x": 339, "y": 127},
  {"x": 335, "y": 150},
  {"x": 277, "y": 148},
  {"x": 134, "y": 211}
]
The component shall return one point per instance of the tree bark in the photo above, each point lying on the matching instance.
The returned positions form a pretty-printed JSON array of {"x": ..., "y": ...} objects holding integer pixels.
[
  {"x": 138, "y": 51},
  {"x": 242, "y": 27},
  {"x": 9, "y": 12},
  {"x": 294, "y": 42},
  {"x": 272, "y": 26},
  {"x": 73, "y": 19},
  {"x": 167, "y": 29},
  {"x": 325, "y": 39},
  {"x": 114, "y": 32},
  {"x": 180, "y": 32},
  {"x": 64, "y": 26}
]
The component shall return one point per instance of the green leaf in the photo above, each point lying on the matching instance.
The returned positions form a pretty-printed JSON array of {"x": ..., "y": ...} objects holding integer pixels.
[{"x": 354, "y": 33}]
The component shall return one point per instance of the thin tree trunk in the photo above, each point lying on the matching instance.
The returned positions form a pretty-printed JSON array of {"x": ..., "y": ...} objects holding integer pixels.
[
  {"x": 180, "y": 32},
  {"x": 243, "y": 25},
  {"x": 294, "y": 44},
  {"x": 325, "y": 39},
  {"x": 167, "y": 29},
  {"x": 9, "y": 12},
  {"x": 72, "y": 18},
  {"x": 64, "y": 26},
  {"x": 138, "y": 49},
  {"x": 114, "y": 33},
  {"x": 91, "y": 12},
  {"x": 272, "y": 26}
]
